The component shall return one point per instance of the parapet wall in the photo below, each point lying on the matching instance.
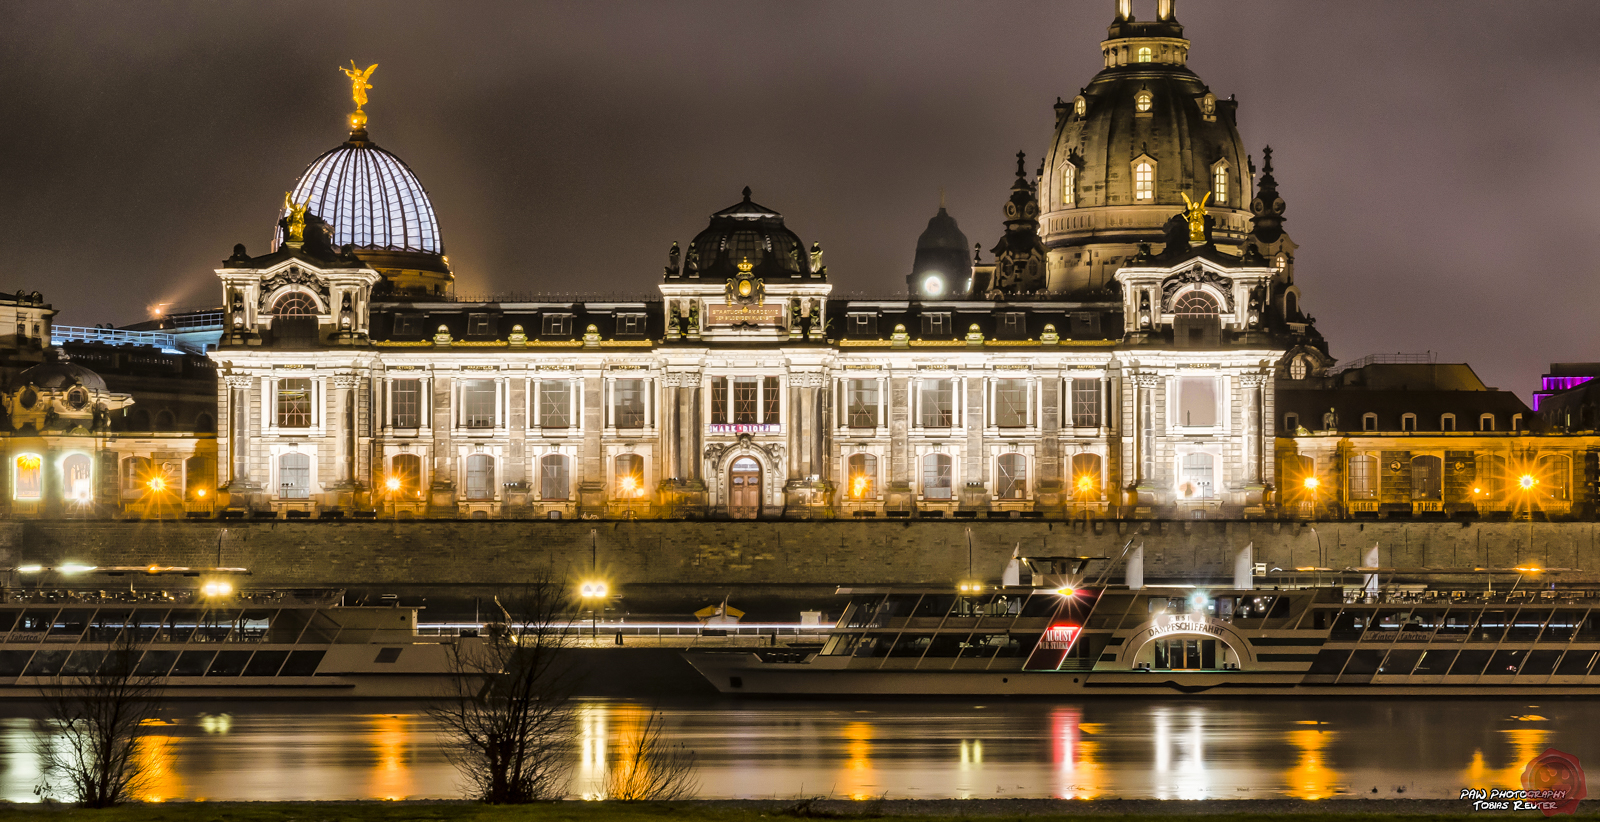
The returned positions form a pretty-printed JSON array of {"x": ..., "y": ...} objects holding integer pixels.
[{"x": 701, "y": 558}]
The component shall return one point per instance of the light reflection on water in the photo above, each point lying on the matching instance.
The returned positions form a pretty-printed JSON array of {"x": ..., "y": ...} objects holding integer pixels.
[{"x": 783, "y": 750}]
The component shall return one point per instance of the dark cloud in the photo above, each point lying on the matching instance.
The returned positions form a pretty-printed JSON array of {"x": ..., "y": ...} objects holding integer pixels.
[{"x": 1432, "y": 154}]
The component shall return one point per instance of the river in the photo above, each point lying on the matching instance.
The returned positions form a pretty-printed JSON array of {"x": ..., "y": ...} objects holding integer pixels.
[{"x": 864, "y": 749}]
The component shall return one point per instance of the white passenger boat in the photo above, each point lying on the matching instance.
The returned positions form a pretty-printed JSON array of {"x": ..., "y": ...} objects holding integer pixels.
[
  {"x": 247, "y": 644},
  {"x": 1421, "y": 631}
]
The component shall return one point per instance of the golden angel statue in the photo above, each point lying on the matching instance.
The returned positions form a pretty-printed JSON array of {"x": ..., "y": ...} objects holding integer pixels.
[
  {"x": 297, "y": 217},
  {"x": 1195, "y": 213},
  {"x": 358, "y": 82}
]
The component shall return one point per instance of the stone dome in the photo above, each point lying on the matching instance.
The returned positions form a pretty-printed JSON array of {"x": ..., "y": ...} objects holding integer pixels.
[
  {"x": 1145, "y": 132},
  {"x": 943, "y": 254},
  {"x": 747, "y": 231},
  {"x": 60, "y": 375}
]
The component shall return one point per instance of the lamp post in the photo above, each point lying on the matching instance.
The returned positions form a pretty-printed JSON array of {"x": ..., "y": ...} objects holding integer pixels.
[
  {"x": 1312, "y": 486},
  {"x": 392, "y": 486},
  {"x": 1526, "y": 484}
]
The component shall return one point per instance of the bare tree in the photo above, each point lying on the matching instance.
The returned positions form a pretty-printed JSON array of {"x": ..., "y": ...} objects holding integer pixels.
[
  {"x": 95, "y": 712},
  {"x": 507, "y": 714},
  {"x": 651, "y": 768}
]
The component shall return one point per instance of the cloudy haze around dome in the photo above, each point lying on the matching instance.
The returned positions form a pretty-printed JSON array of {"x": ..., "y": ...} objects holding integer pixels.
[{"x": 567, "y": 146}]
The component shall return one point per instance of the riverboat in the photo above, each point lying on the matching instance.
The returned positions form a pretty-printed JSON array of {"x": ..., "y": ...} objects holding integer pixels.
[
  {"x": 1046, "y": 632},
  {"x": 213, "y": 642}
]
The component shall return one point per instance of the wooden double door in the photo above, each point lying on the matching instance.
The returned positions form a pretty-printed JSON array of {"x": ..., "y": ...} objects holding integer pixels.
[{"x": 744, "y": 489}]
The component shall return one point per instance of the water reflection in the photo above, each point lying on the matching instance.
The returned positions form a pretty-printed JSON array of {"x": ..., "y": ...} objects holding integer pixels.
[{"x": 784, "y": 750}]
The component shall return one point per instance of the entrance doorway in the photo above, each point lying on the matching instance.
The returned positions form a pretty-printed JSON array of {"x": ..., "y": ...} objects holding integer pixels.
[
  {"x": 1181, "y": 654},
  {"x": 744, "y": 489}
]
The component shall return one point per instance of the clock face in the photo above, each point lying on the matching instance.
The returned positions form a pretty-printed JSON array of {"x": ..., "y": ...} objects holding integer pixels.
[{"x": 1011, "y": 210}]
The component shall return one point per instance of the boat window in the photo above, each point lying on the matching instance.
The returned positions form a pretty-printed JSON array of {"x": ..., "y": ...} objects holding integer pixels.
[
  {"x": 841, "y": 645},
  {"x": 1540, "y": 663},
  {"x": 36, "y": 619},
  {"x": 1435, "y": 663},
  {"x": 1589, "y": 628},
  {"x": 1525, "y": 627},
  {"x": 1328, "y": 661},
  {"x": 1505, "y": 663},
  {"x": 321, "y": 629},
  {"x": 984, "y": 646},
  {"x": 935, "y": 605},
  {"x": 46, "y": 663},
  {"x": 1575, "y": 663},
  {"x": 180, "y": 625},
  {"x": 1470, "y": 663},
  {"x": 12, "y": 663},
  {"x": 1388, "y": 620},
  {"x": 1421, "y": 620},
  {"x": 862, "y": 611},
  {"x": 1018, "y": 645},
  {"x": 254, "y": 626},
  {"x": 912, "y": 645},
  {"x": 1491, "y": 626},
  {"x": 108, "y": 624},
  {"x": 228, "y": 663},
  {"x": 874, "y": 646},
  {"x": 1563, "y": 624},
  {"x": 947, "y": 645},
  {"x": 1322, "y": 618},
  {"x": 1042, "y": 604},
  {"x": 265, "y": 663},
  {"x": 898, "y": 605},
  {"x": 302, "y": 663},
  {"x": 1458, "y": 622},
  {"x": 1363, "y": 663},
  {"x": 156, "y": 663},
  {"x": 1250, "y": 607},
  {"x": 7, "y": 619},
  {"x": 83, "y": 663},
  {"x": 68, "y": 625},
  {"x": 1399, "y": 663},
  {"x": 193, "y": 663},
  {"x": 1350, "y": 624}
]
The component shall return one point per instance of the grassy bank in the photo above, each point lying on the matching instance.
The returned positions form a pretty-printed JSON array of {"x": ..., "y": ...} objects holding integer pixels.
[{"x": 1261, "y": 810}]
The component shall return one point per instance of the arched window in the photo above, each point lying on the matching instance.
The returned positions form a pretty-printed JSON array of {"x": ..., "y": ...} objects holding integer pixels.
[
  {"x": 77, "y": 475},
  {"x": 555, "y": 479},
  {"x": 1219, "y": 184},
  {"x": 1490, "y": 488},
  {"x": 1486, "y": 422},
  {"x": 1013, "y": 476},
  {"x": 294, "y": 476},
  {"x": 863, "y": 470},
  {"x": 1291, "y": 305},
  {"x": 1144, "y": 182},
  {"x": 205, "y": 424},
  {"x": 295, "y": 304},
  {"x": 1281, "y": 262},
  {"x": 1195, "y": 323},
  {"x": 1195, "y": 477},
  {"x": 1555, "y": 477},
  {"x": 1427, "y": 474},
  {"x": 1299, "y": 367},
  {"x": 630, "y": 476},
  {"x": 1086, "y": 476},
  {"x": 480, "y": 477},
  {"x": 936, "y": 481},
  {"x": 25, "y": 479},
  {"x": 406, "y": 471},
  {"x": 1142, "y": 102},
  {"x": 1195, "y": 302},
  {"x": 1364, "y": 477},
  {"x": 1144, "y": 54},
  {"x": 1080, "y": 105},
  {"x": 1069, "y": 183},
  {"x": 165, "y": 420}
]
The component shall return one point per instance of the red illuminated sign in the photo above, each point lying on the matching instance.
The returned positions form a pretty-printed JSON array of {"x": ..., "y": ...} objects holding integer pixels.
[{"x": 1059, "y": 637}]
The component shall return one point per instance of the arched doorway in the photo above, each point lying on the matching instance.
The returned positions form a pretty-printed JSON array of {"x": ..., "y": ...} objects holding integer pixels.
[{"x": 744, "y": 489}]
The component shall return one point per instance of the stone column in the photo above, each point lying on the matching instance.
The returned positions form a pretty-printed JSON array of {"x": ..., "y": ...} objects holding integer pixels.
[
  {"x": 592, "y": 489},
  {"x": 1257, "y": 441},
  {"x": 1050, "y": 491},
  {"x": 1145, "y": 439},
  {"x": 441, "y": 416},
  {"x": 973, "y": 493},
  {"x": 808, "y": 490},
  {"x": 345, "y": 402},
  {"x": 239, "y": 430}
]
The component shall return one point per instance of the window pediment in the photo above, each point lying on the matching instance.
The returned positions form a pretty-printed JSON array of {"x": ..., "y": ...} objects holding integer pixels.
[{"x": 1211, "y": 282}]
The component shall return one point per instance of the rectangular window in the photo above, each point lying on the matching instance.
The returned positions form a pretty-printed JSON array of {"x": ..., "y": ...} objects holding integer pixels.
[
  {"x": 719, "y": 399},
  {"x": 1144, "y": 178},
  {"x": 863, "y": 325},
  {"x": 861, "y": 400},
  {"x": 1363, "y": 478},
  {"x": 480, "y": 325},
  {"x": 1197, "y": 401},
  {"x": 557, "y": 325},
  {"x": 1086, "y": 402},
  {"x": 294, "y": 403},
  {"x": 630, "y": 325},
  {"x": 936, "y": 481},
  {"x": 938, "y": 403},
  {"x": 477, "y": 403},
  {"x": 936, "y": 325},
  {"x": 555, "y": 404},
  {"x": 407, "y": 325},
  {"x": 1085, "y": 324},
  {"x": 1013, "y": 325},
  {"x": 769, "y": 400},
  {"x": 1011, "y": 403},
  {"x": 553, "y": 479},
  {"x": 628, "y": 403},
  {"x": 406, "y": 407},
  {"x": 745, "y": 390}
]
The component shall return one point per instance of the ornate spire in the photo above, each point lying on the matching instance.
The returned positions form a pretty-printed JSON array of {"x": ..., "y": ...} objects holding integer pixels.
[{"x": 1267, "y": 208}]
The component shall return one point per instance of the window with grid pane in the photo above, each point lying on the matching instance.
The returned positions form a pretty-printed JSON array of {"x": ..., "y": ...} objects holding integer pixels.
[
  {"x": 628, "y": 403},
  {"x": 555, "y": 404},
  {"x": 554, "y": 480},
  {"x": 1219, "y": 185},
  {"x": 477, "y": 403},
  {"x": 407, "y": 468},
  {"x": 938, "y": 403},
  {"x": 936, "y": 482},
  {"x": 294, "y": 403},
  {"x": 719, "y": 399},
  {"x": 1085, "y": 402},
  {"x": 1069, "y": 183},
  {"x": 1085, "y": 475},
  {"x": 557, "y": 325},
  {"x": 1144, "y": 181},
  {"x": 480, "y": 477},
  {"x": 769, "y": 400},
  {"x": 861, "y": 402},
  {"x": 1013, "y": 476},
  {"x": 406, "y": 407},
  {"x": 1011, "y": 403},
  {"x": 745, "y": 391},
  {"x": 294, "y": 476},
  {"x": 1363, "y": 477}
]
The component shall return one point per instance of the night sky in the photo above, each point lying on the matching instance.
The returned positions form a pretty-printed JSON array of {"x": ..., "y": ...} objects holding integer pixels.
[{"x": 1437, "y": 158}]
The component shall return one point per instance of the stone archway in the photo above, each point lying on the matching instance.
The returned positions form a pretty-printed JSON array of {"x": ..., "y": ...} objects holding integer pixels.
[{"x": 1185, "y": 627}]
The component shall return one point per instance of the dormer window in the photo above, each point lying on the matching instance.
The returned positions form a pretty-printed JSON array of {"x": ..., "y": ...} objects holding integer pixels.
[
  {"x": 1208, "y": 105},
  {"x": 936, "y": 325},
  {"x": 862, "y": 325},
  {"x": 1219, "y": 184},
  {"x": 1069, "y": 183},
  {"x": 630, "y": 324},
  {"x": 557, "y": 325},
  {"x": 1080, "y": 105},
  {"x": 1447, "y": 422},
  {"x": 1299, "y": 367},
  {"x": 1369, "y": 421},
  {"x": 1486, "y": 422},
  {"x": 1144, "y": 54},
  {"x": 479, "y": 325},
  {"x": 1291, "y": 424},
  {"x": 1408, "y": 423},
  {"x": 1281, "y": 262},
  {"x": 1144, "y": 181},
  {"x": 1142, "y": 102}
]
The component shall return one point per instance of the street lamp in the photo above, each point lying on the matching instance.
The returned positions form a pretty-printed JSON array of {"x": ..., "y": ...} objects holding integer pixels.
[
  {"x": 594, "y": 594},
  {"x": 1526, "y": 483}
]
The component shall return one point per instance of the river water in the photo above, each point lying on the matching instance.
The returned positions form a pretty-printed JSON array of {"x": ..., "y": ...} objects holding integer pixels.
[{"x": 911, "y": 749}]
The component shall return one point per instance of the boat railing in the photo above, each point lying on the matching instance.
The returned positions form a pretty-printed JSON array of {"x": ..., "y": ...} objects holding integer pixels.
[{"x": 240, "y": 599}]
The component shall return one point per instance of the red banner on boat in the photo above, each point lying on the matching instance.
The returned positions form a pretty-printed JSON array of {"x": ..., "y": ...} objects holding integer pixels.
[{"x": 1053, "y": 646}]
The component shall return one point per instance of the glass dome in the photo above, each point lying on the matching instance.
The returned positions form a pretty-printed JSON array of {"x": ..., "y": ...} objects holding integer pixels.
[{"x": 370, "y": 198}]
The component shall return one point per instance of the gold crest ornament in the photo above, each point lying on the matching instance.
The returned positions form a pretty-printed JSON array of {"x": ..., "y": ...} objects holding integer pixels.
[
  {"x": 358, "y": 91},
  {"x": 745, "y": 289},
  {"x": 1195, "y": 213},
  {"x": 297, "y": 218}
]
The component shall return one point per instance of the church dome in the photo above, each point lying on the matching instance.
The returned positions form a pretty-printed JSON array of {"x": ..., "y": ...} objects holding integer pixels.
[
  {"x": 370, "y": 199},
  {"x": 60, "y": 375},
  {"x": 943, "y": 262},
  {"x": 747, "y": 231},
  {"x": 1144, "y": 133}
]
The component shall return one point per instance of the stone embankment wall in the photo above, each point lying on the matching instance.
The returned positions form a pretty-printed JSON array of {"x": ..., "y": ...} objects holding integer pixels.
[{"x": 701, "y": 559}]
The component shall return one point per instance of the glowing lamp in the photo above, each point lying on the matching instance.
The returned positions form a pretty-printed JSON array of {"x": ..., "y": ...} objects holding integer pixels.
[
  {"x": 932, "y": 285},
  {"x": 1067, "y": 592},
  {"x": 1526, "y": 482},
  {"x": 1311, "y": 483},
  {"x": 217, "y": 588},
  {"x": 74, "y": 568},
  {"x": 1197, "y": 601},
  {"x": 29, "y": 569},
  {"x": 593, "y": 590},
  {"x": 858, "y": 487},
  {"x": 630, "y": 486},
  {"x": 392, "y": 483},
  {"x": 1085, "y": 484},
  {"x": 200, "y": 492},
  {"x": 157, "y": 484}
]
